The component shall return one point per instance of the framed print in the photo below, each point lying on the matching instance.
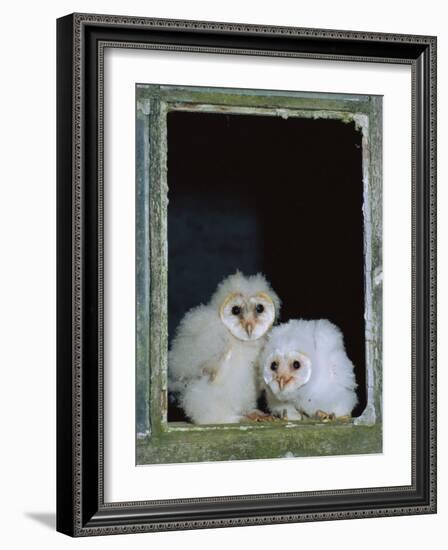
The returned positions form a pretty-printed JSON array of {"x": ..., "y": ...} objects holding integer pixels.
[{"x": 246, "y": 274}]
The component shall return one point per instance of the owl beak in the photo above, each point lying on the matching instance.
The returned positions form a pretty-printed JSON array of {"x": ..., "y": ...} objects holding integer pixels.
[
  {"x": 282, "y": 381},
  {"x": 249, "y": 329}
]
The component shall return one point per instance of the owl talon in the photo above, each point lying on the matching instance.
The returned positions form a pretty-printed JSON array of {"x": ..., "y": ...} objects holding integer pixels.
[
  {"x": 324, "y": 416},
  {"x": 259, "y": 416}
]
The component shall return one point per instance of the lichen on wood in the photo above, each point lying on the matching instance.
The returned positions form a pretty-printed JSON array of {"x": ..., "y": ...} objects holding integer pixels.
[{"x": 240, "y": 442}]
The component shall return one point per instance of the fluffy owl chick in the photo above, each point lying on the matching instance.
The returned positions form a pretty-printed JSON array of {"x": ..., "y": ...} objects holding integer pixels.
[
  {"x": 305, "y": 369},
  {"x": 212, "y": 362}
]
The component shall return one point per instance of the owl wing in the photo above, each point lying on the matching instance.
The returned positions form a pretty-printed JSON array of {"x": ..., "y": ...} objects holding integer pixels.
[
  {"x": 333, "y": 355},
  {"x": 200, "y": 341},
  {"x": 333, "y": 384}
]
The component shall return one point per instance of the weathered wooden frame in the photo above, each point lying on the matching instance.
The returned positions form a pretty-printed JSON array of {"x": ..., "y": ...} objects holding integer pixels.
[
  {"x": 160, "y": 442},
  {"x": 81, "y": 506}
]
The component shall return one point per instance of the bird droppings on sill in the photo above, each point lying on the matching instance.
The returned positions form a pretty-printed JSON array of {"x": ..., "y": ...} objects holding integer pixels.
[{"x": 283, "y": 113}]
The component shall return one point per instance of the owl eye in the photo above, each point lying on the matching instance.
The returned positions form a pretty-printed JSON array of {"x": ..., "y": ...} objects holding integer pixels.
[
  {"x": 274, "y": 366},
  {"x": 259, "y": 308},
  {"x": 236, "y": 310},
  {"x": 296, "y": 365}
]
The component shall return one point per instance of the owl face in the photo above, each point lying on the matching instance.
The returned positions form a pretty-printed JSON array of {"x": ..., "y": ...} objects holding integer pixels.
[
  {"x": 248, "y": 317},
  {"x": 285, "y": 372}
]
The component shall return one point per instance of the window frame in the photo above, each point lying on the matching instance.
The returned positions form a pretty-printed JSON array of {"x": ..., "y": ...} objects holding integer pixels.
[{"x": 161, "y": 442}]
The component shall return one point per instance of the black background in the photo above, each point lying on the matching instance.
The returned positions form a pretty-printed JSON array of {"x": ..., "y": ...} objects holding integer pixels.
[{"x": 265, "y": 194}]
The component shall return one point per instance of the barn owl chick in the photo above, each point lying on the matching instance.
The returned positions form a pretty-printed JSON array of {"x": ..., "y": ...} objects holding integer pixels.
[
  {"x": 306, "y": 370},
  {"x": 212, "y": 362}
]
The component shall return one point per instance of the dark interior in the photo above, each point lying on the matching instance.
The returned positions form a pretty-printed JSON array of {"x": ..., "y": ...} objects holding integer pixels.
[{"x": 272, "y": 195}]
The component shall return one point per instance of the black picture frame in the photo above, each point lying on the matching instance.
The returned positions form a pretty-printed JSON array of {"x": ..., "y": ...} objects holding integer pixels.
[{"x": 81, "y": 509}]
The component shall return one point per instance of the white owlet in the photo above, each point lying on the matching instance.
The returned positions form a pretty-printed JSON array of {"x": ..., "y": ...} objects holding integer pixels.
[
  {"x": 306, "y": 370},
  {"x": 212, "y": 364}
]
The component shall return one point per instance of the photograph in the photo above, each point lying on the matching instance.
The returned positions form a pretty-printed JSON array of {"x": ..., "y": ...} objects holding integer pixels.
[
  {"x": 259, "y": 211},
  {"x": 246, "y": 261}
]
